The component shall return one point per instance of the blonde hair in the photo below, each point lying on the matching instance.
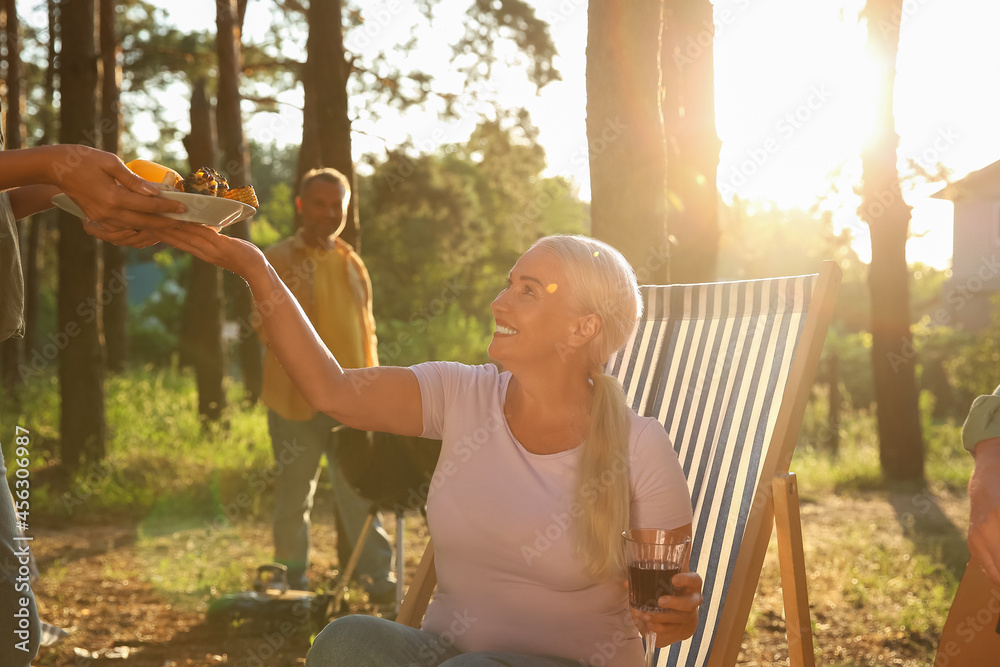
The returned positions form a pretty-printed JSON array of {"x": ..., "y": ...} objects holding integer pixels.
[{"x": 603, "y": 283}]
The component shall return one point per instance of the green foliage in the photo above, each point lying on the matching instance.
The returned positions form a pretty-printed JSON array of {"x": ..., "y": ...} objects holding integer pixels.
[
  {"x": 856, "y": 467},
  {"x": 762, "y": 241},
  {"x": 276, "y": 217},
  {"x": 926, "y": 286},
  {"x": 154, "y": 324},
  {"x": 273, "y": 168},
  {"x": 514, "y": 20},
  {"x": 151, "y": 341},
  {"x": 973, "y": 368},
  {"x": 853, "y": 354}
]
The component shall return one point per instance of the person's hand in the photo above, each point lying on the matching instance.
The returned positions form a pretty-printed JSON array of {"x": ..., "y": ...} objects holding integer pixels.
[
  {"x": 208, "y": 244},
  {"x": 132, "y": 238},
  {"x": 681, "y": 619},
  {"x": 984, "y": 515},
  {"x": 109, "y": 192}
]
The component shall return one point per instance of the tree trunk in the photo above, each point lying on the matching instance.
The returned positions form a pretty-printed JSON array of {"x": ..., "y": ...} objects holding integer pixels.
[
  {"x": 901, "y": 444},
  {"x": 625, "y": 133},
  {"x": 42, "y": 222},
  {"x": 115, "y": 272},
  {"x": 202, "y": 317},
  {"x": 81, "y": 364},
  {"x": 48, "y": 115},
  {"x": 326, "y": 126},
  {"x": 692, "y": 144},
  {"x": 236, "y": 166},
  {"x": 12, "y": 350}
]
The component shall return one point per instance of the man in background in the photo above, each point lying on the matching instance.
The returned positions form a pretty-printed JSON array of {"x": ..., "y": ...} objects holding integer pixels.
[{"x": 331, "y": 284}]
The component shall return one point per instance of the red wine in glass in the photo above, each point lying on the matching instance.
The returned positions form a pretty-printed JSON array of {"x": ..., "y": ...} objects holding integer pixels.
[{"x": 647, "y": 581}]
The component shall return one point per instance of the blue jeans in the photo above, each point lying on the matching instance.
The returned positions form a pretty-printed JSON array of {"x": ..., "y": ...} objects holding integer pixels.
[
  {"x": 298, "y": 447},
  {"x": 369, "y": 641},
  {"x": 18, "y": 613}
]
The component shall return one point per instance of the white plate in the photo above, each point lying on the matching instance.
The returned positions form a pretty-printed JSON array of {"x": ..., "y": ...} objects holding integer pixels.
[{"x": 201, "y": 209}]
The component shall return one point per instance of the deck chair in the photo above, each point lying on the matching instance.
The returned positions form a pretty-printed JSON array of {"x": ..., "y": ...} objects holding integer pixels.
[
  {"x": 971, "y": 634},
  {"x": 727, "y": 368}
]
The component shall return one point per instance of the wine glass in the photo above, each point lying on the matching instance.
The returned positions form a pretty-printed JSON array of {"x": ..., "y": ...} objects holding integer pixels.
[{"x": 653, "y": 557}]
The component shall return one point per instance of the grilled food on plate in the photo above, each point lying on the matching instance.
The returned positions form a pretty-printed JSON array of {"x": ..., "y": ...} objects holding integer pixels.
[{"x": 204, "y": 181}]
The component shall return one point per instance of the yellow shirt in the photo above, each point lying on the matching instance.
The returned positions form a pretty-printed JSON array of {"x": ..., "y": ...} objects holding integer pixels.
[
  {"x": 334, "y": 290},
  {"x": 337, "y": 319}
]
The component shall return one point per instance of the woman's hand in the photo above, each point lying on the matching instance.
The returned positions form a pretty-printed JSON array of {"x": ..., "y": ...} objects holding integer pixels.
[
  {"x": 132, "y": 238},
  {"x": 681, "y": 618},
  {"x": 209, "y": 244},
  {"x": 203, "y": 241}
]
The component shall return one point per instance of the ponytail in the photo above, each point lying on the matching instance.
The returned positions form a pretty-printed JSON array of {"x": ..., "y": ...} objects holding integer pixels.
[{"x": 602, "y": 491}]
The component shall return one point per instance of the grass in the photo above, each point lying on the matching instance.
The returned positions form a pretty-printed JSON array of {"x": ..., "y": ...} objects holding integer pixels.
[
  {"x": 162, "y": 463},
  {"x": 883, "y": 576},
  {"x": 855, "y": 467}
]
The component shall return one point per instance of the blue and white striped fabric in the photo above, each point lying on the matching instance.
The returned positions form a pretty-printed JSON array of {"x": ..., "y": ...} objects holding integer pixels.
[{"x": 710, "y": 362}]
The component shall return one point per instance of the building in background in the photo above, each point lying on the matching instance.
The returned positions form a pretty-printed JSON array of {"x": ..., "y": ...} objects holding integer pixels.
[{"x": 975, "y": 263}]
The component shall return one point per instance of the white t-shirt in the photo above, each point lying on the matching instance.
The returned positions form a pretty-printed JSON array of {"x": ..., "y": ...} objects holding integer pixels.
[{"x": 502, "y": 520}]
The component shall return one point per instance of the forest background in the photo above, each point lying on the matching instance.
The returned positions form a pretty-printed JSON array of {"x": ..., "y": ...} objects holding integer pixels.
[{"x": 438, "y": 226}]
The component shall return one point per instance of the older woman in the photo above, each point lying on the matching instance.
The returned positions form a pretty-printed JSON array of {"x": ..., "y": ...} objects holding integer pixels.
[{"x": 542, "y": 467}]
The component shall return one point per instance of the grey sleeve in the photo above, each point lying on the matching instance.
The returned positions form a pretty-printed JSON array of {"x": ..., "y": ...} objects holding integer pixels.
[{"x": 983, "y": 421}]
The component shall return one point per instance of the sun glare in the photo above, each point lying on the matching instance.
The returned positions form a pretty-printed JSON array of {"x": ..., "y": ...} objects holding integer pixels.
[
  {"x": 795, "y": 104},
  {"x": 791, "y": 90}
]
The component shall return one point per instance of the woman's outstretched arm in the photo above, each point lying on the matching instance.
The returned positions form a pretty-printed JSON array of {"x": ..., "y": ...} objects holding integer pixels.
[{"x": 383, "y": 398}]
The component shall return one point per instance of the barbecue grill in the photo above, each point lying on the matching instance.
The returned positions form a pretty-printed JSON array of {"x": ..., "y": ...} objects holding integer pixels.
[{"x": 394, "y": 473}]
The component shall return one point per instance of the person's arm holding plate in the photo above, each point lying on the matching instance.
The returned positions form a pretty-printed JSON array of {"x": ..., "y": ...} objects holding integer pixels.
[{"x": 118, "y": 203}]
